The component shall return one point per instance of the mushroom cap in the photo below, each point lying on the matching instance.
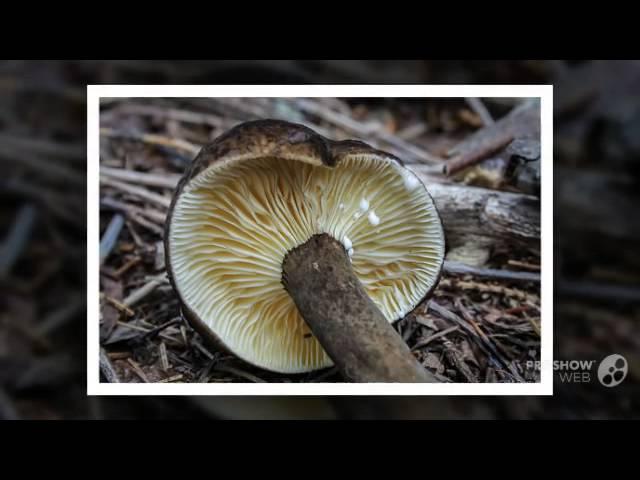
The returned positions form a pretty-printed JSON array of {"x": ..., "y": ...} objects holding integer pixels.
[{"x": 264, "y": 188}]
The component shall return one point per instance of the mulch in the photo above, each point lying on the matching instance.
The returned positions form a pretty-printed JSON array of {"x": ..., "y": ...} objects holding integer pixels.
[{"x": 474, "y": 329}]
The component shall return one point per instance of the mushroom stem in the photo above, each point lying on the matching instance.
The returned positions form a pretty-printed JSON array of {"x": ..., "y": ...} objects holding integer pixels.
[{"x": 354, "y": 333}]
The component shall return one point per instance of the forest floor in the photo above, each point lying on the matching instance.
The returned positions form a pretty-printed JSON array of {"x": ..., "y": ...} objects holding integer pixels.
[{"x": 483, "y": 322}]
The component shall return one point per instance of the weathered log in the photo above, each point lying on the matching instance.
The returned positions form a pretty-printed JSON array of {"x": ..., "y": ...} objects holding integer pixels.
[
  {"x": 488, "y": 215},
  {"x": 479, "y": 221}
]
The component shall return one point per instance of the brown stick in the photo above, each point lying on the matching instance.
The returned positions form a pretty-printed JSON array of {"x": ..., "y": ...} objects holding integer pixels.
[
  {"x": 476, "y": 156},
  {"x": 132, "y": 211},
  {"x": 354, "y": 333},
  {"x": 137, "y": 191},
  {"x": 153, "y": 139},
  {"x": 479, "y": 108},
  {"x": 490, "y": 273},
  {"x": 173, "y": 114},
  {"x": 165, "y": 180},
  {"x": 145, "y": 290}
]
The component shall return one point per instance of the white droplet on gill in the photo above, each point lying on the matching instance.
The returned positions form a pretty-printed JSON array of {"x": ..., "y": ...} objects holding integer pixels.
[
  {"x": 364, "y": 204},
  {"x": 341, "y": 206},
  {"x": 373, "y": 218},
  {"x": 410, "y": 180},
  {"x": 350, "y": 252},
  {"x": 347, "y": 243}
]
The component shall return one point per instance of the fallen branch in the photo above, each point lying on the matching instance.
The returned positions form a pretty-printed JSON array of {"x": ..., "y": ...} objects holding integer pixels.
[
  {"x": 490, "y": 273},
  {"x": 165, "y": 180},
  {"x": 485, "y": 288},
  {"x": 110, "y": 237},
  {"x": 364, "y": 131},
  {"x": 153, "y": 139},
  {"x": 481, "y": 340},
  {"x": 136, "y": 191},
  {"x": 132, "y": 211},
  {"x": 119, "y": 306},
  {"x": 522, "y": 122},
  {"x": 145, "y": 290},
  {"x": 148, "y": 225},
  {"x": 525, "y": 265},
  {"x": 480, "y": 109},
  {"x": 154, "y": 332},
  {"x": 184, "y": 116},
  {"x": 127, "y": 266},
  {"x": 472, "y": 157},
  {"x": 435, "y": 336},
  {"x": 486, "y": 218}
]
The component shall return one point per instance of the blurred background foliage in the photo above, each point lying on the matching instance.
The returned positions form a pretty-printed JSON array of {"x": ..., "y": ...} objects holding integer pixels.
[{"x": 43, "y": 311}]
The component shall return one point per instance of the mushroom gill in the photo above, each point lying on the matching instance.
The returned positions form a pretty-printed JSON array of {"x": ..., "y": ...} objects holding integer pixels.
[{"x": 234, "y": 223}]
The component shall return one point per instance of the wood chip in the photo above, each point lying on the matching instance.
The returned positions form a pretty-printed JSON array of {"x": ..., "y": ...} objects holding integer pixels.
[
  {"x": 428, "y": 340},
  {"x": 525, "y": 265},
  {"x": 164, "y": 361},
  {"x": 120, "y": 306},
  {"x": 119, "y": 355},
  {"x": 183, "y": 332},
  {"x": 145, "y": 290},
  {"x": 201, "y": 348},
  {"x": 137, "y": 370},
  {"x": 129, "y": 264},
  {"x": 132, "y": 326}
]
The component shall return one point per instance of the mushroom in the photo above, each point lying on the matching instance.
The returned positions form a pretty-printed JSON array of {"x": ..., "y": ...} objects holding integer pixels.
[{"x": 295, "y": 252}]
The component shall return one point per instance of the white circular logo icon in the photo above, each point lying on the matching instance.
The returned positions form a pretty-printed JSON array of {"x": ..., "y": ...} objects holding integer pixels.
[{"x": 612, "y": 370}]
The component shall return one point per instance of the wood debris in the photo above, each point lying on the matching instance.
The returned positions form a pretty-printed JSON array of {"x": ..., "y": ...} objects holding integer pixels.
[{"x": 141, "y": 192}]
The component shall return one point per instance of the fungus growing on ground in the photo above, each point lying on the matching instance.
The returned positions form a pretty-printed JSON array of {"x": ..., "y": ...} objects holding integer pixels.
[{"x": 296, "y": 252}]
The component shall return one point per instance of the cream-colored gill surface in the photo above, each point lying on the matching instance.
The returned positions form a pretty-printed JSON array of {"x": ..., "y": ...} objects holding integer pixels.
[{"x": 233, "y": 225}]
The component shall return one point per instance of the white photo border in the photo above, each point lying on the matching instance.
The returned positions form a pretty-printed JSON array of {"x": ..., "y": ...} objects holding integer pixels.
[{"x": 96, "y": 92}]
